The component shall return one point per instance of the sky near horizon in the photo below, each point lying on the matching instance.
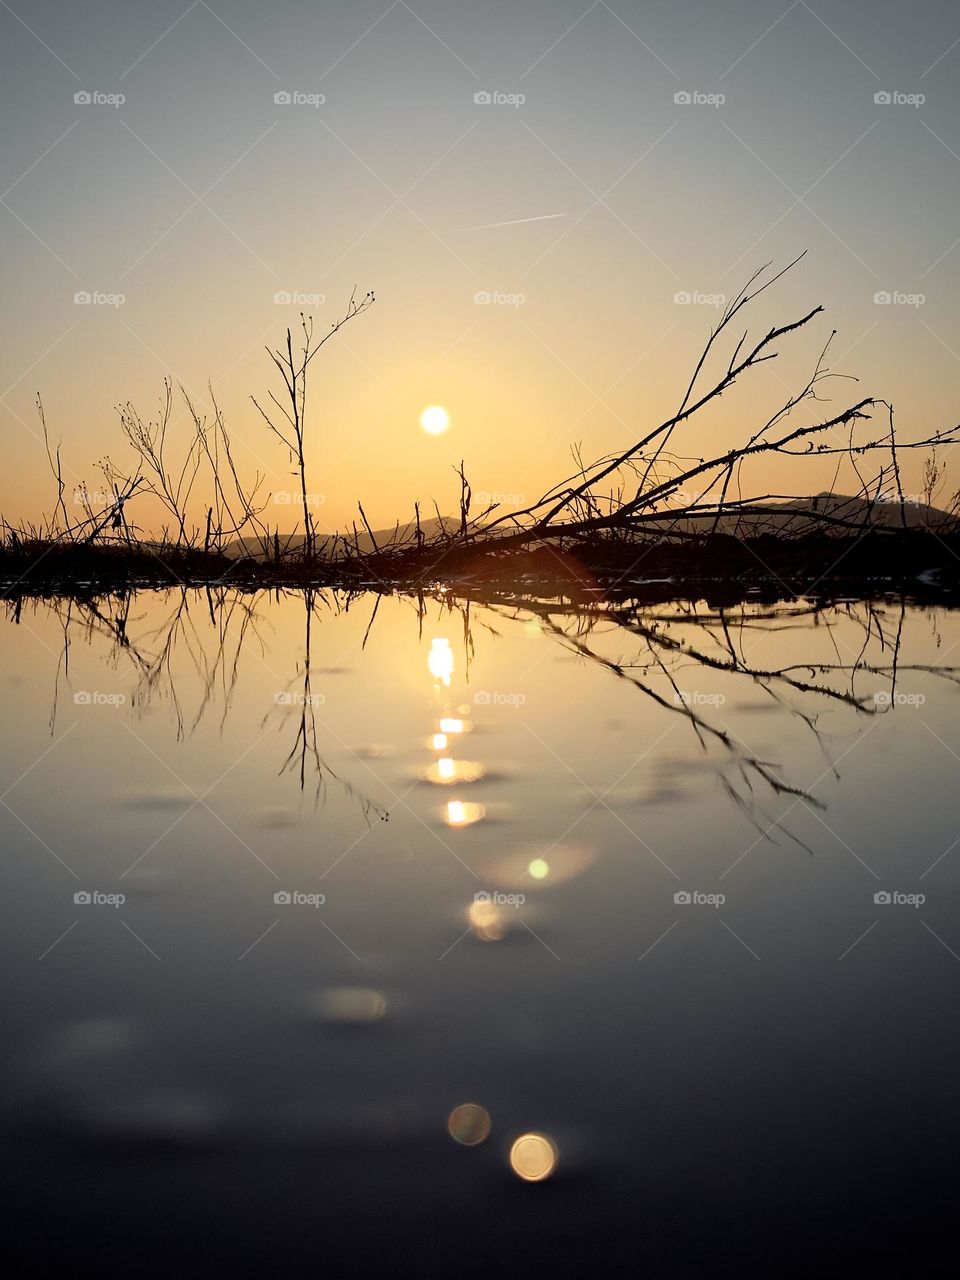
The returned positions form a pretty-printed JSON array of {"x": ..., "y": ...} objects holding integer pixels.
[{"x": 547, "y": 198}]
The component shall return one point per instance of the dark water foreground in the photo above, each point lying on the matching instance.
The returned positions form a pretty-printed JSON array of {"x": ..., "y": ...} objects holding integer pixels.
[{"x": 711, "y": 975}]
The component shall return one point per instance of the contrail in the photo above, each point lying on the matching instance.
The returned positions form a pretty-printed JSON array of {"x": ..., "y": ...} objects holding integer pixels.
[{"x": 513, "y": 222}]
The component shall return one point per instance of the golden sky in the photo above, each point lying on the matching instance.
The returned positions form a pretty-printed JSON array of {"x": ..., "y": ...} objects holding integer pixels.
[{"x": 629, "y": 156}]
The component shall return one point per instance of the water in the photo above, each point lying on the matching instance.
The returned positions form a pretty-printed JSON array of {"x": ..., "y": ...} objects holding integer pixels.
[{"x": 248, "y": 1044}]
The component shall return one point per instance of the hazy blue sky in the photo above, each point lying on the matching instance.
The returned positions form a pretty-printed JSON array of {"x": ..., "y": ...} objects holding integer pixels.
[{"x": 199, "y": 198}]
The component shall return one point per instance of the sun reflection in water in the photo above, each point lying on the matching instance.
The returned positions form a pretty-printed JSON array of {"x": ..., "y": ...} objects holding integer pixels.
[
  {"x": 439, "y": 742},
  {"x": 460, "y": 813},
  {"x": 447, "y": 770},
  {"x": 469, "y": 1124},
  {"x": 440, "y": 660},
  {"x": 487, "y": 921},
  {"x": 533, "y": 1157},
  {"x": 450, "y": 724}
]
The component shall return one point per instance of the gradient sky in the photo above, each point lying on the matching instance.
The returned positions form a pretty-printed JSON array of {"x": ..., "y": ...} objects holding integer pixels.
[{"x": 199, "y": 199}]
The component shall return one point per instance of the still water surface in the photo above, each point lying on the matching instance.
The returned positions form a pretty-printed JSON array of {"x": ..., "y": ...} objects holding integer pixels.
[{"x": 523, "y": 935}]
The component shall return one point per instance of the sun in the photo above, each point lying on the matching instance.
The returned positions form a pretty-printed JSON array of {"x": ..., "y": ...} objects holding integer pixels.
[{"x": 435, "y": 420}]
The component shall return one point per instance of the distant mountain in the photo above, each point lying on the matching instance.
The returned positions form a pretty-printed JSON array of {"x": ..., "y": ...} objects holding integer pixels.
[
  {"x": 791, "y": 517},
  {"x": 325, "y": 541},
  {"x": 800, "y": 515}
]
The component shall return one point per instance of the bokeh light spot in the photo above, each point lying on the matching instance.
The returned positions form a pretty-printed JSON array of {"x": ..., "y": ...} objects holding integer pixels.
[
  {"x": 533, "y": 1157},
  {"x": 469, "y": 1124},
  {"x": 486, "y": 921}
]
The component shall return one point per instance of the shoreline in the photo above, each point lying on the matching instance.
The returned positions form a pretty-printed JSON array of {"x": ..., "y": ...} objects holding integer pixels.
[{"x": 921, "y": 564}]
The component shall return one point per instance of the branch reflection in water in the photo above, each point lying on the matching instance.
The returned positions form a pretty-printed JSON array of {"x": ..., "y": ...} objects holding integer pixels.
[{"x": 671, "y": 645}]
